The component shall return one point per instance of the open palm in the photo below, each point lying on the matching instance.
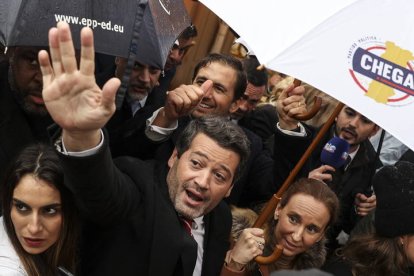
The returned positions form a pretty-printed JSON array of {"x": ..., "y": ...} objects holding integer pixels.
[{"x": 71, "y": 95}]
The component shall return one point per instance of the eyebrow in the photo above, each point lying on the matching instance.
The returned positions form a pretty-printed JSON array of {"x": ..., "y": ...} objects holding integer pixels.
[
  {"x": 52, "y": 205},
  {"x": 203, "y": 78},
  {"x": 220, "y": 165}
]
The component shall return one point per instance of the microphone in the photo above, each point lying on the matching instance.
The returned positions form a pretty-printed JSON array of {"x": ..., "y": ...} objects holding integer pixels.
[{"x": 335, "y": 152}]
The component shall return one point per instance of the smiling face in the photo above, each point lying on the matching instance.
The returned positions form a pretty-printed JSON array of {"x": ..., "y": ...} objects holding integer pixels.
[
  {"x": 36, "y": 214},
  {"x": 302, "y": 223},
  {"x": 201, "y": 177},
  {"x": 27, "y": 79},
  {"x": 218, "y": 99},
  {"x": 354, "y": 127}
]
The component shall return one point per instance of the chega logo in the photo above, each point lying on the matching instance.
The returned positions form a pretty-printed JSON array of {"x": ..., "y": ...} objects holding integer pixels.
[{"x": 383, "y": 70}]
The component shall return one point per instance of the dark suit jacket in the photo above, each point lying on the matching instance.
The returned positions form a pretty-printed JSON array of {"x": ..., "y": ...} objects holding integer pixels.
[
  {"x": 127, "y": 132},
  {"x": 130, "y": 224},
  {"x": 17, "y": 130},
  {"x": 346, "y": 184},
  {"x": 257, "y": 182}
]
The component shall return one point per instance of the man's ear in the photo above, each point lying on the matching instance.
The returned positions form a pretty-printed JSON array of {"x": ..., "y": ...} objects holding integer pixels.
[
  {"x": 374, "y": 131},
  {"x": 233, "y": 107},
  {"x": 173, "y": 158},
  {"x": 229, "y": 191},
  {"x": 117, "y": 60}
]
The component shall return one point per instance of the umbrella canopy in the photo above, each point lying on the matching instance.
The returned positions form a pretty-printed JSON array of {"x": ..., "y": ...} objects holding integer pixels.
[
  {"x": 360, "y": 52},
  {"x": 26, "y": 23}
]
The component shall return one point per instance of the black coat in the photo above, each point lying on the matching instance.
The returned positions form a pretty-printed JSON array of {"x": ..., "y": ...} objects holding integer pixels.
[
  {"x": 127, "y": 132},
  {"x": 130, "y": 226},
  {"x": 346, "y": 184},
  {"x": 17, "y": 130},
  {"x": 257, "y": 182}
]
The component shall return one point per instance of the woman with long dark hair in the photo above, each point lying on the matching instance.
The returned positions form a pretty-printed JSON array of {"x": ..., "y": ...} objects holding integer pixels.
[{"x": 38, "y": 230}]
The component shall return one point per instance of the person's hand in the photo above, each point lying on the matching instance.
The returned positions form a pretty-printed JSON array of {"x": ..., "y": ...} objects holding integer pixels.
[
  {"x": 181, "y": 102},
  {"x": 365, "y": 204},
  {"x": 249, "y": 245},
  {"x": 323, "y": 173},
  {"x": 290, "y": 103},
  {"x": 71, "y": 94}
]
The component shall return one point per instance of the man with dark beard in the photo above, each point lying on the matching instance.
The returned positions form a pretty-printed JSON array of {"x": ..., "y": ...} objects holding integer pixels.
[
  {"x": 23, "y": 115},
  {"x": 351, "y": 182}
]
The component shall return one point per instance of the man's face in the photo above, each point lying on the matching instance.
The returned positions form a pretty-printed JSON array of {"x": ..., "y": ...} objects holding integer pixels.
[
  {"x": 201, "y": 177},
  {"x": 27, "y": 79},
  {"x": 354, "y": 127},
  {"x": 248, "y": 101},
  {"x": 218, "y": 99},
  {"x": 178, "y": 52},
  {"x": 142, "y": 80}
]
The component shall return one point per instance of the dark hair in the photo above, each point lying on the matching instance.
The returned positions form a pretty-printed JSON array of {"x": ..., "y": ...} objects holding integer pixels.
[
  {"x": 189, "y": 32},
  {"x": 372, "y": 254},
  {"x": 241, "y": 79},
  {"x": 224, "y": 132},
  {"x": 42, "y": 162},
  {"x": 254, "y": 76}
]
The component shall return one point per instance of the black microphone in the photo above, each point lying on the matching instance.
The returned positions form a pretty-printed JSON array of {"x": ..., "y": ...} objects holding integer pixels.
[{"x": 335, "y": 152}]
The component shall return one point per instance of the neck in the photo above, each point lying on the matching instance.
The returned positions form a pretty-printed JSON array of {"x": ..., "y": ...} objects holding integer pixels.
[{"x": 284, "y": 262}]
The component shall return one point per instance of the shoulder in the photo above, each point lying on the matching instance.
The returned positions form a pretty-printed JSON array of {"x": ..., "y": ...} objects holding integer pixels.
[{"x": 10, "y": 264}]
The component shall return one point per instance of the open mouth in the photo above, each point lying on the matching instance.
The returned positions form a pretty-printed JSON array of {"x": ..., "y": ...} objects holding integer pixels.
[
  {"x": 348, "y": 134},
  {"x": 37, "y": 99},
  {"x": 290, "y": 245},
  {"x": 204, "y": 105},
  {"x": 193, "y": 196}
]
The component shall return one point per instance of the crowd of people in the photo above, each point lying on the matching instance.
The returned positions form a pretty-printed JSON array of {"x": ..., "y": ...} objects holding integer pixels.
[{"x": 172, "y": 181}]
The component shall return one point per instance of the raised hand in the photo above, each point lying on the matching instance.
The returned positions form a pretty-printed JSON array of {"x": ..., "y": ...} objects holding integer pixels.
[
  {"x": 290, "y": 103},
  {"x": 181, "y": 102},
  {"x": 249, "y": 245},
  {"x": 71, "y": 94}
]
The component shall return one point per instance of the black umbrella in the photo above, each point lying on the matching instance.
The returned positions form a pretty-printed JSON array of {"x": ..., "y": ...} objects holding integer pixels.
[
  {"x": 141, "y": 30},
  {"x": 26, "y": 23}
]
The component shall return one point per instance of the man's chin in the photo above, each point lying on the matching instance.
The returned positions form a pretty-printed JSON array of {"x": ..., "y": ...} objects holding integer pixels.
[{"x": 36, "y": 110}]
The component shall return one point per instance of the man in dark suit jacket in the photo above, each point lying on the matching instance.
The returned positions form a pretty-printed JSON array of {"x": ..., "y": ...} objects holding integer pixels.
[
  {"x": 351, "y": 183},
  {"x": 145, "y": 93},
  {"x": 139, "y": 104},
  {"x": 258, "y": 182},
  {"x": 23, "y": 115},
  {"x": 136, "y": 214}
]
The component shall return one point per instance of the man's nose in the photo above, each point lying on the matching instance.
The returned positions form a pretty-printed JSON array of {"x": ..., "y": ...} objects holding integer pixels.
[
  {"x": 144, "y": 76},
  {"x": 354, "y": 121},
  {"x": 203, "y": 179},
  {"x": 38, "y": 76}
]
